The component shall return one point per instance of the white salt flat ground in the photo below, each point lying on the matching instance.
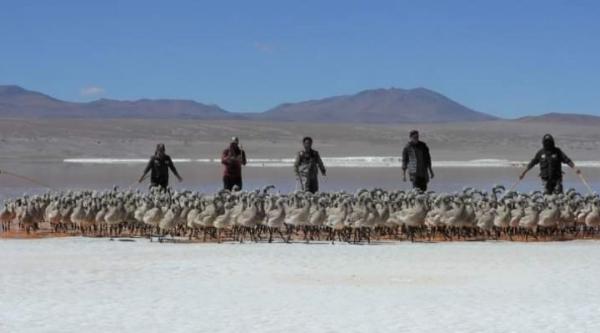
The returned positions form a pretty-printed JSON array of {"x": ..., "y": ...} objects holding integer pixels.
[{"x": 95, "y": 285}]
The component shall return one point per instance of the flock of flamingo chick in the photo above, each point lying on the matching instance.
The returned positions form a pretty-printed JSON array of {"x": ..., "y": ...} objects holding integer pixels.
[{"x": 265, "y": 216}]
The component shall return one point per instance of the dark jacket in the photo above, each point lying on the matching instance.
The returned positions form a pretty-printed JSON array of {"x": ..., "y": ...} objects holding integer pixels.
[
  {"x": 550, "y": 160},
  {"x": 160, "y": 170},
  {"x": 416, "y": 158},
  {"x": 233, "y": 168},
  {"x": 308, "y": 164}
]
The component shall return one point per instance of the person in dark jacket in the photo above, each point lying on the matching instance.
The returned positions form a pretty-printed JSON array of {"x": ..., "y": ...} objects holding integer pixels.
[
  {"x": 159, "y": 165},
  {"x": 550, "y": 159},
  {"x": 307, "y": 165},
  {"x": 233, "y": 158},
  {"x": 417, "y": 160}
]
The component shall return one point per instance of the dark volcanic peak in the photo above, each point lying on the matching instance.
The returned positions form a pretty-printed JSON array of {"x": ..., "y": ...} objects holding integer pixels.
[{"x": 392, "y": 105}]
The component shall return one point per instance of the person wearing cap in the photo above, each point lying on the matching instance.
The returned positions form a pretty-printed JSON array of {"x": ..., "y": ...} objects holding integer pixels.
[
  {"x": 307, "y": 165},
  {"x": 550, "y": 158},
  {"x": 417, "y": 160},
  {"x": 233, "y": 158},
  {"x": 160, "y": 164}
]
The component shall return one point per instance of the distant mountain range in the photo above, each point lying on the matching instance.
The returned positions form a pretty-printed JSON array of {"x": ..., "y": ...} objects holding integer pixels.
[
  {"x": 570, "y": 118},
  {"x": 16, "y": 102},
  {"x": 388, "y": 106}
]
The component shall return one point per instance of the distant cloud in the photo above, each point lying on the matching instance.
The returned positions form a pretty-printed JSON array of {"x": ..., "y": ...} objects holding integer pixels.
[
  {"x": 91, "y": 91},
  {"x": 264, "y": 47}
]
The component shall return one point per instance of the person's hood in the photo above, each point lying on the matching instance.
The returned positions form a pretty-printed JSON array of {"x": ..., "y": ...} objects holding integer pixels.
[{"x": 548, "y": 142}]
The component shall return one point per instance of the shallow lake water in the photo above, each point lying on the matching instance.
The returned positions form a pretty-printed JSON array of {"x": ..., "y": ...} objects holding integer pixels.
[{"x": 206, "y": 177}]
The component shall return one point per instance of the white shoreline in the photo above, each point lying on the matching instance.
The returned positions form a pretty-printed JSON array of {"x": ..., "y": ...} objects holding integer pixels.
[{"x": 340, "y": 162}]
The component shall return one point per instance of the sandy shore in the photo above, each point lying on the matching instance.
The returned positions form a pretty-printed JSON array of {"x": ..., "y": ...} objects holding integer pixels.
[{"x": 38, "y": 234}]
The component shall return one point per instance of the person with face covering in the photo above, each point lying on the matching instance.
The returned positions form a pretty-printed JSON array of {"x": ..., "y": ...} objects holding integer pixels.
[
  {"x": 550, "y": 159},
  {"x": 417, "y": 160},
  {"x": 307, "y": 165},
  {"x": 233, "y": 158},
  {"x": 159, "y": 165}
]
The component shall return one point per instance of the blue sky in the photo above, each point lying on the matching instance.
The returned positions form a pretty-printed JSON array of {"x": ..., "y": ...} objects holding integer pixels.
[{"x": 507, "y": 58}]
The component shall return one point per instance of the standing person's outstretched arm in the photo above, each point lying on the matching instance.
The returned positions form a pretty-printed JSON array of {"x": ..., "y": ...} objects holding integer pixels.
[
  {"x": 297, "y": 165},
  {"x": 148, "y": 167},
  {"x": 172, "y": 167},
  {"x": 321, "y": 165},
  {"x": 565, "y": 159},
  {"x": 532, "y": 163},
  {"x": 428, "y": 161},
  {"x": 404, "y": 162}
]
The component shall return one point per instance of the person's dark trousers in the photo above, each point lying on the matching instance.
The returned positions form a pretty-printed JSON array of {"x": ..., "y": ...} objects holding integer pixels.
[
  {"x": 308, "y": 184},
  {"x": 312, "y": 185},
  {"x": 552, "y": 186},
  {"x": 420, "y": 183},
  {"x": 230, "y": 182}
]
